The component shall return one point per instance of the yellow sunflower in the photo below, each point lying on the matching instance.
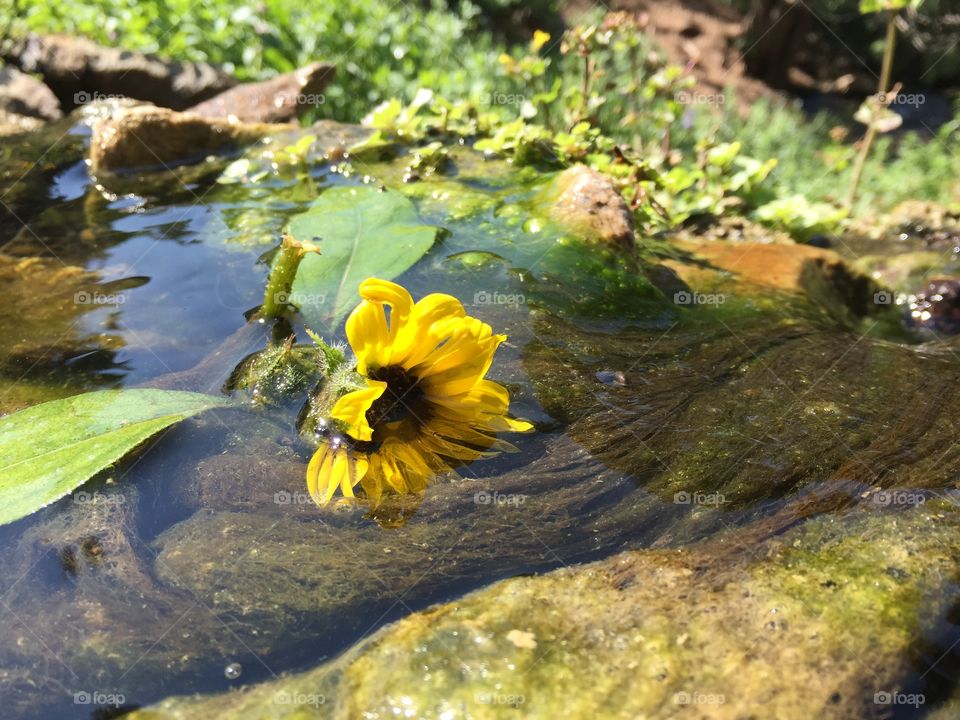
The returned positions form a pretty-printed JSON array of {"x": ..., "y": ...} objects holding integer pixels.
[{"x": 426, "y": 407}]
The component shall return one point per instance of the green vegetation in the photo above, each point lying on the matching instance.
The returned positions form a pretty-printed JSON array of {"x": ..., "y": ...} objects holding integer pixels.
[
  {"x": 599, "y": 94},
  {"x": 381, "y": 49}
]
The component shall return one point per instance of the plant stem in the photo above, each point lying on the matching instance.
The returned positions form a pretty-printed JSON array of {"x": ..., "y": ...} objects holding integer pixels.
[
  {"x": 282, "y": 274},
  {"x": 885, "y": 70},
  {"x": 635, "y": 95},
  {"x": 586, "y": 87}
]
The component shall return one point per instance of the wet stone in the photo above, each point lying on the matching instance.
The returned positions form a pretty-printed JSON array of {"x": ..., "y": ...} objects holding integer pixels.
[
  {"x": 780, "y": 617},
  {"x": 147, "y": 136},
  {"x": 78, "y": 71},
  {"x": 21, "y": 94},
  {"x": 86, "y": 598},
  {"x": 936, "y": 307},
  {"x": 279, "y": 99},
  {"x": 588, "y": 204}
]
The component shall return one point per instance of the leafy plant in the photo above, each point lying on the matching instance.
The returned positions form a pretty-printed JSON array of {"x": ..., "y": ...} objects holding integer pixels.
[
  {"x": 875, "y": 112},
  {"x": 361, "y": 232},
  {"x": 51, "y": 449}
]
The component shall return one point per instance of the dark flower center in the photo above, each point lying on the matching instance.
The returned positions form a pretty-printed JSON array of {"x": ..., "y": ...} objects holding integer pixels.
[{"x": 401, "y": 398}]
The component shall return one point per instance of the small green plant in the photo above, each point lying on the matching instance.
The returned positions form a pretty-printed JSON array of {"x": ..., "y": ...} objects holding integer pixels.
[{"x": 875, "y": 112}]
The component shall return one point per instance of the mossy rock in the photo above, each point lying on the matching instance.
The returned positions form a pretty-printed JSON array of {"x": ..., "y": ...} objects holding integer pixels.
[{"x": 817, "y": 620}]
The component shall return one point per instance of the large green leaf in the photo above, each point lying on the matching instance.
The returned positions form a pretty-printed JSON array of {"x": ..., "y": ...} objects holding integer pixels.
[
  {"x": 363, "y": 232},
  {"x": 48, "y": 450}
]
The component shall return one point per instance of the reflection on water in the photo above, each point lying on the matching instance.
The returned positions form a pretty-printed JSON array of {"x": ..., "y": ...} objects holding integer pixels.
[{"x": 197, "y": 564}]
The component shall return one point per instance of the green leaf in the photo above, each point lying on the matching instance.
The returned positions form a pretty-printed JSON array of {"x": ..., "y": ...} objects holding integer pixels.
[
  {"x": 49, "y": 450},
  {"x": 872, "y": 6},
  {"x": 363, "y": 232}
]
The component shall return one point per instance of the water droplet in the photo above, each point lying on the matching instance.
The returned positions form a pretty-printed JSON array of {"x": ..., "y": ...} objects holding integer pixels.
[{"x": 232, "y": 671}]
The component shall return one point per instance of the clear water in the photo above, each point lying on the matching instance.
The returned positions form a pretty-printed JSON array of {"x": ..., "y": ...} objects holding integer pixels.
[{"x": 696, "y": 412}]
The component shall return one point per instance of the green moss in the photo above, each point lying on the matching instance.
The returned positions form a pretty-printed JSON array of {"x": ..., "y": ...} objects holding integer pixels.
[{"x": 783, "y": 622}]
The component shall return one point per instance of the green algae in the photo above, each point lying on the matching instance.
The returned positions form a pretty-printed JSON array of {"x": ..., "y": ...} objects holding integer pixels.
[
  {"x": 811, "y": 618},
  {"x": 752, "y": 401}
]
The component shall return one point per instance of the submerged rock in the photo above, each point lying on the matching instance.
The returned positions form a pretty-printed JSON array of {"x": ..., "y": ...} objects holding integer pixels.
[
  {"x": 274, "y": 562},
  {"x": 759, "y": 624},
  {"x": 588, "y": 204},
  {"x": 249, "y": 483},
  {"x": 78, "y": 71},
  {"x": 147, "y": 136},
  {"x": 21, "y": 94},
  {"x": 936, "y": 307},
  {"x": 80, "y": 601},
  {"x": 279, "y": 99}
]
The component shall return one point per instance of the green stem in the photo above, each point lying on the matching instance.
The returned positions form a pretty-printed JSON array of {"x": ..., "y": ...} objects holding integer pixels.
[
  {"x": 891, "y": 42},
  {"x": 282, "y": 274},
  {"x": 586, "y": 87},
  {"x": 885, "y": 70}
]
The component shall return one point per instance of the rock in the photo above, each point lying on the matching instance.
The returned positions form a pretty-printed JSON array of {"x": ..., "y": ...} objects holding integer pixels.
[
  {"x": 78, "y": 71},
  {"x": 903, "y": 272},
  {"x": 586, "y": 202},
  {"x": 81, "y": 590},
  {"x": 148, "y": 136},
  {"x": 13, "y": 124},
  {"x": 704, "y": 408},
  {"x": 288, "y": 559},
  {"x": 923, "y": 216},
  {"x": 936, "y": 307},
  {"x": 278, "y": 99},
  {"x": 760, "y": 624},
  {"x": 250, "y": 483},
  {"x": 21, "y": 94},
  {"x": 731, "y": 228},
  {"x": 819, "y": 273}
]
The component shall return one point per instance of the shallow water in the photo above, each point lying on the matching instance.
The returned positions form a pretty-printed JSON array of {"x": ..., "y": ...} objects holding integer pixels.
[{"x": 657, "y": 425}]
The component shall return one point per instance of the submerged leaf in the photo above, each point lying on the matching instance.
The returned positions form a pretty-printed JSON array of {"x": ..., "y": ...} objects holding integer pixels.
[
  {"x": 49, "y": 450},
  {"x": 363, "y": 232}
]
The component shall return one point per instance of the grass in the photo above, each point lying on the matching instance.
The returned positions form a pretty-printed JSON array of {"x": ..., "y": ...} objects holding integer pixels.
[{"x": 384, "y": 50}]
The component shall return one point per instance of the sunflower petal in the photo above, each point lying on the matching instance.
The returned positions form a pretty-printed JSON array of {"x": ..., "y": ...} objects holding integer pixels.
[
  {"x": 384, "y": 292},
  {"x": 351, "y": 409},
  {"x": 320, "y": 480},
  {"x": 368, "y": 336},
  {"x": 429, "y": 325}
]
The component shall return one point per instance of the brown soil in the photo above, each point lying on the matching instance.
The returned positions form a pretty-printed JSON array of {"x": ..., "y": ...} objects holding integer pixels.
[{"x": 698, "y": 32}]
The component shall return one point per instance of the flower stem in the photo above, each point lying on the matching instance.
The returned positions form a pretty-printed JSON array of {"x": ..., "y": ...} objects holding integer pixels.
[
  {"x": 282, "y": 274},
  {"x": 880, "y": 100}
]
